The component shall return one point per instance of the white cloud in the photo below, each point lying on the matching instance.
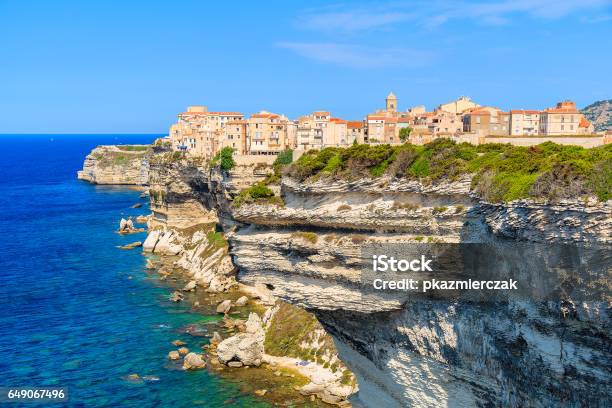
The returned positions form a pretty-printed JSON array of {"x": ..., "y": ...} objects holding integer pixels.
[
  {"x": 435, "y": 13},
  {"x": 357, "y": 56},
  {"x": 353, "y": 20}
]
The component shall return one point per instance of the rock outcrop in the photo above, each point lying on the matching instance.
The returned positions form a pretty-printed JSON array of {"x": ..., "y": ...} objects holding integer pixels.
[
  {"x": 117, "y": 164},
  {"x": 432, "y": 352},
  {"x": 246, "y": 348}
]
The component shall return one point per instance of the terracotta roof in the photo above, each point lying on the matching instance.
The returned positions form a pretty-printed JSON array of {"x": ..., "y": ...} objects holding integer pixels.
[
  {"x": 354, "y": 124},
  {"x": 265, "y": 115},
  {"x": 212, "y": 113},
  {"x": 193, "y": 113},
  {"x": 337, "y": 120},
  {"x": 584, "y": 123},
  {"x": 404, "y": 120},
  {"x": 227, "y": 113},
  {"x": 523, "y": 111},
  {"x": 321, "y": 113},
  {"x": 561, "y": 110},
  {"x": 377, "y": 117}
]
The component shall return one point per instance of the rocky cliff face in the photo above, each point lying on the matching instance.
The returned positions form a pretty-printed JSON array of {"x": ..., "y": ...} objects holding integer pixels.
[
  {"x": 192, "y": 217},
  {"x": 432, "y": 352},
  {"x": 127, "y": 165},
  {"x": 600, "y": 114}
]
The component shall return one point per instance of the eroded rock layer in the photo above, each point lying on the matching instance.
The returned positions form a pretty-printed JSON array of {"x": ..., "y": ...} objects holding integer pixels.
[
  {"x": 119, "y": 165},
  {"x": 433, "y": 352}
]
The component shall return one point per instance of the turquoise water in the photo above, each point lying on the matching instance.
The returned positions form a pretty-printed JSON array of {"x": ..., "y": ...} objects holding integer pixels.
[{"x": 75, "y": 311}]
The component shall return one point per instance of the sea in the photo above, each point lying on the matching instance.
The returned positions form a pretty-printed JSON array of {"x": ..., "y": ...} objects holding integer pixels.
[{"x": 76, "y": 312}]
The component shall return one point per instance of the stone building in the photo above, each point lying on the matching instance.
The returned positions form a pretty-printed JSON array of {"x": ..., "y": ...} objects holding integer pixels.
[
  {"x": 563, "y": 119},
  {"x": 266, "y": 133},
  {"x": 486, "y": 120},
  {"x": 199, "y": 132},
  {"x": 458, "y": 106},
  {"x": 524, "y": 122}
]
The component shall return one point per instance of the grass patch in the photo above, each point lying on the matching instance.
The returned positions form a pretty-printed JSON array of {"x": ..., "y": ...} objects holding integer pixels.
[
  {"x": 438, "y": 210},
  {"x": 258, "y": 193},
  {"x": 501, "y": 172},
  {"x": 404, "y": 206},
  {"x": 289, "y": 328},
  {"x": 307, "y": 236},
  {"x": 133, "y": 148},
  {"x": 216, "y": 239}
]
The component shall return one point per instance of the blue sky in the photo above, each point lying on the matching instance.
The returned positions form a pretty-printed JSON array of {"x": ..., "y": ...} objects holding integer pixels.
[{"x": 130, "y": 67}]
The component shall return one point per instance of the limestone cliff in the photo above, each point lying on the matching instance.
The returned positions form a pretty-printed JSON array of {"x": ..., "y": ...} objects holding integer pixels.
[
  {"x": 431, "y": 352},
  {"x": 117, "y": 164},
  {"x": 191, "y": 220}
]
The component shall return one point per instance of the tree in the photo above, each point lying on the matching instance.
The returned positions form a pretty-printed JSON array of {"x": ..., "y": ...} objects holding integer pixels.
[
  {"x": 224, "y": 157},
  {"x": 404, "y": 134}
]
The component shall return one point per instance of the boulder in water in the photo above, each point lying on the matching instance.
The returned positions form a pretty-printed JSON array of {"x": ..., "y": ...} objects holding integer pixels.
[
  {"x": 132, "y": 245},
  {"x": 177, "y": 296},
  {"x": 189, "y": 287},
  {"x": 224, "y": 307},
  {"x": 193, "y": 361}
]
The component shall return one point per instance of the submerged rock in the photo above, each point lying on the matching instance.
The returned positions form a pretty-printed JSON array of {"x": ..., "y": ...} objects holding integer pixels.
[
  {"x": 174, "y": 355},
  {"x": 177, "y": 296},
  {"x": 132, "y": 245},
  {"x": 178, "y": 343},
  {"x": 183, "y": 351}
]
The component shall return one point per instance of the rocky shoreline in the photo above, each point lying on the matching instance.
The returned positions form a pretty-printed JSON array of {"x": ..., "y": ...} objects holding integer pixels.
[
  {"x": 204, "y": 267},
  {"x": 306, "y": 250}
]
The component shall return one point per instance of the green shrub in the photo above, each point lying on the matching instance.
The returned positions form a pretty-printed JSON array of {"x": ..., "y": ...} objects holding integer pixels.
[
  {"x": 133, "y": 148},
  {"x": 284, "y": 158},
  {"x": 216, "y": 239},
  {"x": 225, "y": 159},
  {"x": 307, "y": 236},
  {"x": 501, "y": 172},
  {"x": 438, "y": 210},
  {"x": 258, "y": 193}
]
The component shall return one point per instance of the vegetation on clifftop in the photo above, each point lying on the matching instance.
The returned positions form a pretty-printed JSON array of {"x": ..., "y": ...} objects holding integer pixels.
[
  {"x": 134, "y": 148},
  {"x": 258, "y": 193},
  {"x": 501, "y": 172}
]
